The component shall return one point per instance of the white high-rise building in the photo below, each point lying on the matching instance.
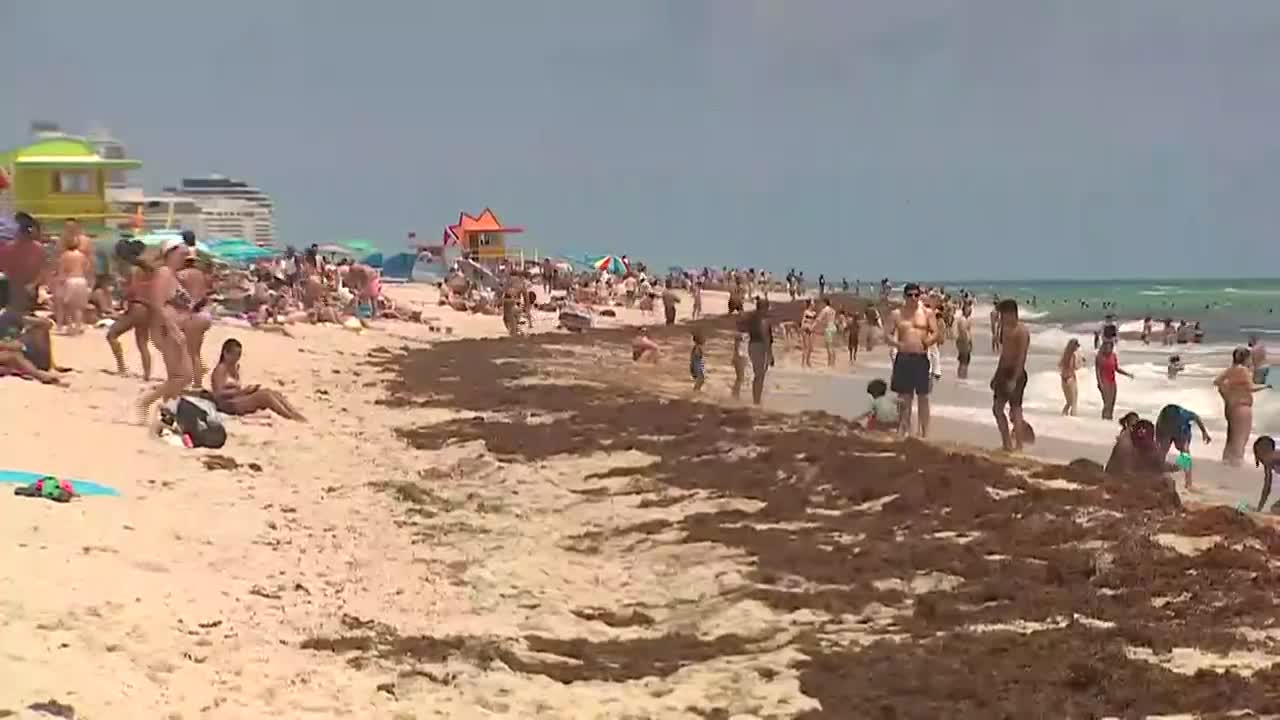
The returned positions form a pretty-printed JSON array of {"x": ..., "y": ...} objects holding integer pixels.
[
  {"x": 205, "y": 190},
  {"x": 207, "y": 217}
]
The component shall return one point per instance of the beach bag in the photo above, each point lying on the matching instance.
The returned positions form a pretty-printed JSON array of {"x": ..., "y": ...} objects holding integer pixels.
[{"x": 197, "y": 420}]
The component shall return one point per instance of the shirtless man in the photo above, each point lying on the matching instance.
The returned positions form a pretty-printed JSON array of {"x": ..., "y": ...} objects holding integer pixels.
[
  {"x": 964, "y": 341},
  {"x": 22, "y": 261},
  {"x": 1010, "y": 379},
  {"x": 912, "y": 329},
  {"x": 71, "y": 277}
]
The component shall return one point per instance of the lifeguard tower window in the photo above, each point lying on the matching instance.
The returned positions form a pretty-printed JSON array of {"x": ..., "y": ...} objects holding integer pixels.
[
  {"x": 487, "y": 239},
  {"x": 73, "y": 182}
]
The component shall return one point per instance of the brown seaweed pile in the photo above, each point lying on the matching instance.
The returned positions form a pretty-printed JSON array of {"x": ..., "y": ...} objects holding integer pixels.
[{"x": 1065, "y": 546}]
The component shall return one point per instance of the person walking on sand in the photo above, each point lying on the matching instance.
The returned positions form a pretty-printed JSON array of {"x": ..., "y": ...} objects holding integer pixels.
[
  {"x": 696, "y": 291},
  {"x": 1068, "y": 366},
  {"x": 136, "y": 316},
  {"x": 853, "y": 329},
  {"x": 741, "y": 341},
  {"x": 168, "y": 304},
  {"x": 697, "y": 360},
  {"x": 198, "y": 320},
  {"x": 964, "y": 341},
  {"x": 995, "y": 330},
  {"x": 826, "y": 324},
  {"x": 911, "y": 330},
  {"x": 759, "y": 348},
  {"x": 1010, "y": 379},
  {"x": 1106, "y": 367},
  {"x": 1236, "y": 386},
  {"x": 669, "y": 302}
]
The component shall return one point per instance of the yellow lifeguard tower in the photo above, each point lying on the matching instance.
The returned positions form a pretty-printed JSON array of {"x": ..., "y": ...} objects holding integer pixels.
[{"x": 62, "y": 177}]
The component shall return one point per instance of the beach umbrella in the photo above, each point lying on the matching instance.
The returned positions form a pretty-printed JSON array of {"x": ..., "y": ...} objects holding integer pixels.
[
  {"x": 334, "y": 250},
  {"x": 358, "y": 248},
  {"x": 373, "y": 261},
  {"x": 610, "y": 264}
]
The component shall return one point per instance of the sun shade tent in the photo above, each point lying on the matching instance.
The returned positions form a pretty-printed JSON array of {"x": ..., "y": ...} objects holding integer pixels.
[
  {"x": 358, "y": 248},
  {"x": 238, "y": 251}
]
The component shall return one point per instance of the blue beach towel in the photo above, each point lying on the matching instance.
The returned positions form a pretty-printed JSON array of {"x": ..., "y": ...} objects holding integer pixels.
[{"x": 82, "y": 487}]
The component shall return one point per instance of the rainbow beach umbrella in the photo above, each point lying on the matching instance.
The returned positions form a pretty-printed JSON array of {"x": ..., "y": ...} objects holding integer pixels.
[{"x": 610, "y": 264}]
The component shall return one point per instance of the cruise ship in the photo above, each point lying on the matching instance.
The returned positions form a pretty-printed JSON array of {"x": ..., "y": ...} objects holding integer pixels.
[{"x": 210, "y": 187}]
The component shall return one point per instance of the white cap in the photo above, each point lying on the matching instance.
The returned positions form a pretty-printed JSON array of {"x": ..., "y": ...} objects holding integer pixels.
[{"x": 171, "y": 244}]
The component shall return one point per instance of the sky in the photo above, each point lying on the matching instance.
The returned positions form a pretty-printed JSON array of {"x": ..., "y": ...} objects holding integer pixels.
[{"x": 930, "y": 139}]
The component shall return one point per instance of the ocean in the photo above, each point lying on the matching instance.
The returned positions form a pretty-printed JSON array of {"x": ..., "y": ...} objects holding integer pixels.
[{"x": 1227, "y": 309}]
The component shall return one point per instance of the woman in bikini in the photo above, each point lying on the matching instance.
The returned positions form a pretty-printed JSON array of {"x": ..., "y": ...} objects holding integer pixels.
[
  {"x": 168, "y": 306},
  {"x": 198, "y": 320},
  {"x": 1068, "y": 366},
  {"x": 808, "y": 322},
  {"x": 136, "y": 317},
  {"x": 1236, "y": 387},
  {"x": 232, "y": 398}
]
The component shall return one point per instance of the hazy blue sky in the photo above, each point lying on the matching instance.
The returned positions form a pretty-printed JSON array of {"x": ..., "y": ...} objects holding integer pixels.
[{"x": 911, "y": 138}]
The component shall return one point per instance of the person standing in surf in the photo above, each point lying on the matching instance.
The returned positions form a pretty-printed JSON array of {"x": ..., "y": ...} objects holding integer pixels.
[
  {"x": 1010, "y": 379},
  {"x": 1258, "y": 360},
  {"x": 1068, "y": 366},
  {"x": 911, "y": 330},
  {"x": 1236, "y": 386},
  {"x": 1106, "y": 367},
  {"x": 964, "y": 341}
]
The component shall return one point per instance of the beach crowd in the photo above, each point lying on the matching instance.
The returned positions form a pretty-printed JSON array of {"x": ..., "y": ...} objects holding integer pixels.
[{"x": 169, "y": 295}]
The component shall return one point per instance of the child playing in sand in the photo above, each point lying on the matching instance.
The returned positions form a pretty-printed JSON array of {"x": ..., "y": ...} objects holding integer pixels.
[
  {"x": 1266, "y": 457},
  {"x": 697, "y": 368},
  {"x": 883, "y": 415}
]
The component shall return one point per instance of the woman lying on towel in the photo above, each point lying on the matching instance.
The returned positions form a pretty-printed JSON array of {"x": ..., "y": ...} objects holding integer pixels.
[{"x": 232, "y": 398}]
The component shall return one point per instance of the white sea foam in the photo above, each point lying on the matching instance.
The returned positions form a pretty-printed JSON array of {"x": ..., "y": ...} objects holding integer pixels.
[{"x": 1251, "y": 291}]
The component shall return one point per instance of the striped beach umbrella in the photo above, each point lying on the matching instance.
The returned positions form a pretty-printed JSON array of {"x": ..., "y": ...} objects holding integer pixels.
[{"x": 610, "y": 264}]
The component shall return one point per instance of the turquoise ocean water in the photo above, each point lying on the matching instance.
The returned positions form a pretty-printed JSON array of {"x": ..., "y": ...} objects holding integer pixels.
[{"x": 1228, "y": 309}]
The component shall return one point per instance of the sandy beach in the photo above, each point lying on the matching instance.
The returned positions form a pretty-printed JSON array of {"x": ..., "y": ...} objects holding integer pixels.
[{"x": 479, "y": 526}]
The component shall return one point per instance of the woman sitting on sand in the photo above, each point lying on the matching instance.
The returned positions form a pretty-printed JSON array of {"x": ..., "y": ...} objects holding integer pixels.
[
  {"x": 1068, "y": 366},
  {"x": 232, "y": 398},
  {"x": 1236, "y": 387}
]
